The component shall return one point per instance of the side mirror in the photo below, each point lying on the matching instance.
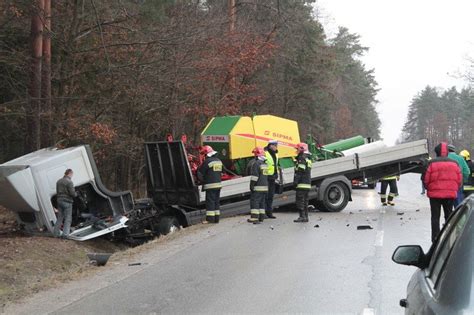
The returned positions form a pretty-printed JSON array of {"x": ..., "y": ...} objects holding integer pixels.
[{"x": 410, "y": 255}]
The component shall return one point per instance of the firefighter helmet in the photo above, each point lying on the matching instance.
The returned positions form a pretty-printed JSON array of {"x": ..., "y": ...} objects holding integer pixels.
[
  {"x": 258, "y": 151},
  {"x": 302, "y": 148},
  {"x": 451, "y": 148},
  {"x": 465, "y": 154},
  {"x": 207, "y": 150}
]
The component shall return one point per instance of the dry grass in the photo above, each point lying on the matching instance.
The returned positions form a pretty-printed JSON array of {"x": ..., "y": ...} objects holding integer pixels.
[{"x": 34, "y": 263}]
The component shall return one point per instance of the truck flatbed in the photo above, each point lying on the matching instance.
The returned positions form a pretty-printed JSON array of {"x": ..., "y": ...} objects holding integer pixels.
[{"x": 172, "y": 182}]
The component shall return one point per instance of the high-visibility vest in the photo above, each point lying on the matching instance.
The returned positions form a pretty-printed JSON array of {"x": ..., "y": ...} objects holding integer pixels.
[
  {"x": 272, "y": 167},
  {"x": 390, "y": 177}
]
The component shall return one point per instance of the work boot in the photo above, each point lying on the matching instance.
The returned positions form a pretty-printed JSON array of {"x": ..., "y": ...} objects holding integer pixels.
[
  {"x": 391, "y": 203},
  {"x": 305, "y": 216},
  {"x": 261, "y": 217},
  {"x": 384, "y": 203},
  {"x": 216, "y": 219},
  {"x": 300, "y": 218},
  {"x": 270, "y": 215}
]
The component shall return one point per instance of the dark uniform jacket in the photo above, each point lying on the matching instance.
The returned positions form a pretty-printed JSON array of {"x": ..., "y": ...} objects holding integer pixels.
[
  {"x": 302, "y": 178},
  {"x": 65, "y": 190},
  {"x": 471, "y": 168},
  {"x": 259, "y": 176},
  {"x": 209, "y": 173}
]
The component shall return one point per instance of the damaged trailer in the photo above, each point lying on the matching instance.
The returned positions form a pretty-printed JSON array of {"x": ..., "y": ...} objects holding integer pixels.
[{"x": 28, "y": 187}]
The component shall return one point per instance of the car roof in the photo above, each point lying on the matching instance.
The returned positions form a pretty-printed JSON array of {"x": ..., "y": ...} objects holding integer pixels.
[{"x": 456, "y": 286}]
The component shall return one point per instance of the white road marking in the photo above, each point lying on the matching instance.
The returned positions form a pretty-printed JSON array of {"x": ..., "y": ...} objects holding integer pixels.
[
  {"x": 379, "y": 238},
  {"x": 368, "y": 311}
]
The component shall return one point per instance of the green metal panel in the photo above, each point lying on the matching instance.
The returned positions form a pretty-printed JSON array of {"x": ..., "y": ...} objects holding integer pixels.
[
  {"x": 221, "y": 125},
  {"x": 286, "y": 162},
  {"x": 345, "y": 144}
]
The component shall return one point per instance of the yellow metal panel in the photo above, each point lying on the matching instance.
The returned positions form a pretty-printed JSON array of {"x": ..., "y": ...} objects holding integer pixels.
[
  {"x": 246, "y": 135},
  {"x": 242, "y": 146}
]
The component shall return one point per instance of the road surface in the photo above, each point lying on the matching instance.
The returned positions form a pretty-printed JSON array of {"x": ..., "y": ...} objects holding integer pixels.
[{"x": 326, "y": 266}]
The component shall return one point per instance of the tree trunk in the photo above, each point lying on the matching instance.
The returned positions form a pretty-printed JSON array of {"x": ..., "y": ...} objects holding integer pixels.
[
  {"x": 33, "y": 141},
  {"x": 46, "y": 78}
]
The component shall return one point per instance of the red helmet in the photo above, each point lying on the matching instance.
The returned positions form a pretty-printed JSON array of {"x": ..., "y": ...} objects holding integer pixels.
[
  {"x": 207, "y": 150},
  {"x": 258, "y": 151},
  {"x": 302, "y": 148}
]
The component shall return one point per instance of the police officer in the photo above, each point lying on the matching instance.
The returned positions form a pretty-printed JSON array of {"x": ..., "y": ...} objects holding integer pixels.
[
  {"x": 209, "y": 174},
  {"x": 302, "y": 181},
  {"x": 258, "y": 186},
  {"x": 385, "y": 183},
  {"x": 271, "y": 154}
]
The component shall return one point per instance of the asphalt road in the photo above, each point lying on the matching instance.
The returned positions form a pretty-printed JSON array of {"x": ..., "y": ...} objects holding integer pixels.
[{"x": 276, "y": 267}]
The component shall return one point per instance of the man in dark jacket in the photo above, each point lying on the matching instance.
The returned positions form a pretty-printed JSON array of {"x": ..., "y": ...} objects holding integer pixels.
[
  {"x": 302, "y": 181},
  {"x": 65, "y": 195},
  {"x": 209, "y": 174},
  {"x": 442, "y": 180},
  {"x": 258, "y": 186},
  {"x": 271, "y": 154}
]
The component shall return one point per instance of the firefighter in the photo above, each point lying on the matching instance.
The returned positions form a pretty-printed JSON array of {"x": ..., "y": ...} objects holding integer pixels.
[
  {"x": 385, "y": 182},
  {"x": 467, "y": 156},
  {"x": 209, "y": 174},
  {"x": 466, "y": 173},
  {"x": 271, "y": 154},
  {"x": 258, "y": 186},
  {"x": 469, "y": 187},
  {"x": 302, "y": 181}
]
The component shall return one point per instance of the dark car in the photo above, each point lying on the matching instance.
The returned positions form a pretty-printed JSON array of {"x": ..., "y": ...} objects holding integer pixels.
[{"x": 444, "y": 282}]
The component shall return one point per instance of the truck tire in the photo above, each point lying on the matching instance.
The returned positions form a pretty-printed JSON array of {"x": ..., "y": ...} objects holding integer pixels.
[
  {"x": 372, "y": 185},
  {"x": 335, "y": 198},
  {"x": 168, "y": 225}
]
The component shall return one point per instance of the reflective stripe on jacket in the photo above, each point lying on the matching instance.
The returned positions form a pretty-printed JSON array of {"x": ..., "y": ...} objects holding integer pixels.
[
  {"x": 259, "y": 176},
  {"x": 303, "y": 166},
  {"x": 209, "y": 173}
]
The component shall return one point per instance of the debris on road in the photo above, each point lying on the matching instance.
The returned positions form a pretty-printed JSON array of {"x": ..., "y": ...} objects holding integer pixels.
[
  {"x": 348, "y": 224},
  {"x": 135, "y": 264},
  {"x": 271, "y": 227},
  {"x": 364, "y": 227},
  {"x": 400, "y": 213},
  {"x": 316, "y": 226},
  {"x": 417, "y": 210}
]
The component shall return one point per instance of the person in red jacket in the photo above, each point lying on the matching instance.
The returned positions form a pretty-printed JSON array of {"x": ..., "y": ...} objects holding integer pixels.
[{"x": 442, "y": 180}]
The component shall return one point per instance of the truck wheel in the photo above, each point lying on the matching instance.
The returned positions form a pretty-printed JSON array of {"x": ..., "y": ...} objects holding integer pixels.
[
  {"x": 372, "y": 185},
  {"x": 169, "y": 225},
  {"x": 336, "y": 197}
]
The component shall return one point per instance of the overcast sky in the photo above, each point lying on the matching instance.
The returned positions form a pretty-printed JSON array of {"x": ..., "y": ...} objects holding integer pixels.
[{"x": 412, "y": 44}]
